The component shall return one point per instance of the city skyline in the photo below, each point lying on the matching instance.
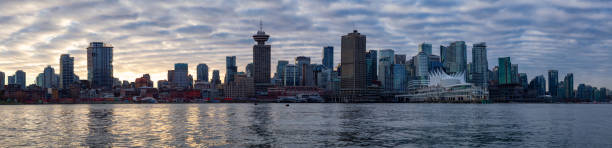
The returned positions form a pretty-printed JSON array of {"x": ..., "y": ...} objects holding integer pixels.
[{"x": 27, "y": 45}]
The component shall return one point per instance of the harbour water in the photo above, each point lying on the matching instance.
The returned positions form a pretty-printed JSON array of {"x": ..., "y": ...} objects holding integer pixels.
[{"x": 306, "y": 125}]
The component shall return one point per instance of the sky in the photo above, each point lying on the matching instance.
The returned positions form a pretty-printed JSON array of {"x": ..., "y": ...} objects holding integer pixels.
[{"x": 149, "y": 36}]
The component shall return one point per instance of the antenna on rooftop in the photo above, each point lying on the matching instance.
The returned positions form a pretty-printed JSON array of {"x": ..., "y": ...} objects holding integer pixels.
[{"x": 260, "y": 25}]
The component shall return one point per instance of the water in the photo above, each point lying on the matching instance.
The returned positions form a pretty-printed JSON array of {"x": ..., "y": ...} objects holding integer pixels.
[{"x": 307, "y": 125}]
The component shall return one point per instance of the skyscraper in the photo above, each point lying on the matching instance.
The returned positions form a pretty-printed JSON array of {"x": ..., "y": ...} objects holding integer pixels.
[
  {"x": 181, "y": 73},
  {"x": 400, "y": 59},
  {"x": 385, "y": 68},
  {"x": 261, "y": 60},
  {"x": 523, "y": 80},
  {"x": 424, "y": 47},
  {"x": 20, "y": 78},
  {"x": 290, "y": 75},
  {"x": 328, "y": 57},
  {"x": 371, "y": 67},
  {"x": 353, "y": 74},
  {"x": 215, "y": 77},
  {"x": 202, "y": 72},
  {"x": 249, "y": 70},
  {"x": 280, "y": 71},
  {"x": 305, "y": 73},
  {"x": 421, "y": 64},
  {"x": 230, "y": 68},
  {"x": 539, "y": 85},
  {"x": 2, "y": 83},
  {"x": 454, "y": 57},
  {"x": 11, "y": 79},
  {"x": 66, "y": 71},
  {"x": 49, "y": 78},
  {"x": 515, "y": 74},
  {"x": 100, "y": 65},
  {"x": 569, "y": 85},
  {"x": 505, "y": 71},
  {"x": 480, "y": 64},
  {"x": 553, "y": 82}
]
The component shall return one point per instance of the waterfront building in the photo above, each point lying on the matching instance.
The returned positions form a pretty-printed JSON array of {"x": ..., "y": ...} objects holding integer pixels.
[
  {"x": 215, "y": 77},
  {"x": 515, "y": 75},
  {"x": 421, "y": 64},
  {"x": 261, "y": 61},
  {"x": 569, "y": 85},
  {"x": 523, "y": 80},
  {"x": 230, "y": 68},
  {"x": 480, "y": 65},
  {"x": 144, "y": 81},
  {"x": 290, "y": 75},
  {"x": 435, "y": 63},
  {"x": 67, "y": 76},
  {"x": 353, "y": 74},
  {"x": 399, "y": 78},
  {"x": 424, "y": 47},
  {"x": 241, "y": 87},
  {"x": 505, "y": 71},
  {"x": 305, "y": 74},
  {"x": 454, "y": 57},
  {"x": 553, "y": 82},
  {"x": 20, "y": 78},
  {"x": 280, "y": 71},
  {"x": 100, "y": 65},
  {"x": 443, "y": 87},
  {"x": 2, "y": 83},
  {"x": 385, "y": 69},
  {"x": 181, "y": 73},
  {"x": 202, "y": 72},
  {"x": 538, "y": 86},
  {"x": 328, "y": 57},
  {"x": 371, "y": 67}
]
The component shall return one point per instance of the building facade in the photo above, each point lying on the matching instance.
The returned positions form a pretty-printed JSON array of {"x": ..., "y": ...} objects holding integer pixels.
[
  {"x": 100, "y": 65},
  {"x": 230, "y": 68},
  {"x": 353, "y": 73},
  {"x": 181, "y": 73},
  {"x": 480, "y": 65},
  {"x": 66, "y": 71},
  {"x": 504, "y": 71},
  {"x": 553, "y": 82},
  {"x": 328, "y": 57},
  {"x": 261, "y": 61},
  {"x": 202, "y": 73},
  {"x": 454, "y": 57}
]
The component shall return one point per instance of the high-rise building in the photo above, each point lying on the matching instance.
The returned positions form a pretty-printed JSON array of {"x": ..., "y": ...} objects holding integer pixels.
[
  {"x": 371, "y": 67},
  {"x": 171, "y": 77},
  {"x": 2, "y": 83},
  {"x": 424, "y": 47},
  {"x": 538, "y": 84},
  {"x": 523, "y": 80},
  {"x": 553, "y": 82},
  {"x": 569, "y": 85},
  {"x": 290, "y": 75},
  {"x": 480, "y": 65},
  {"x": 421, "y": 64},
  {"x": 435, "y": 63},
  {"x": 328, "y": 57},
  {"x": 20, "y": 78},
  {"x": 305, "y": 73},
  {"x": 353, "y": 76},
  {"x": 230, "y": 68},
  {"x": 66, "y": 71},
  {"x": 400, "y": 59},
  {"x": 515, "y": 74},
  {"x": 202, "y": 72},
  {"x": 100, "y": 65},
  {"x": 505, "y": 71},
  {"x": 385, "y": 68},
  {"x": 280, "y": 71},
  {"x": 249, "y": 70},
  {"x": 10, "y": 79},
  {"x": 49, "y": 78},
  {"x": 215, "y": 77},
  {"x": 454, "y": 57},
  {"x": 261, "y": 61},
  {"x": 181, "y": 73},
  {"x": 399, "y": 77}
]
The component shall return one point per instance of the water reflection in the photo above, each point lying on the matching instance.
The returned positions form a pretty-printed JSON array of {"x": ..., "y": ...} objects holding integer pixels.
[
  {"x": 100, "y": 122},
  {"x": 260, "y": 125}
]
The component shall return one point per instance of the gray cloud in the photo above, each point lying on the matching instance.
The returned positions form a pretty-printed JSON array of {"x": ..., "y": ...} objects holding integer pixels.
[{"x": 150, "y": 36}]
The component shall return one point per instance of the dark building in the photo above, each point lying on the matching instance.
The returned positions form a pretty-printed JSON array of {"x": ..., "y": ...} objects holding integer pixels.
[
  {"x": 230, "y": 68},
  {"x": 261, "y": 61},
  {"x": 328, "y": 57},
  {"x": 353, "y": 76},
  {"x": 553, "y": 82},
  {"x": 202, "y": 73},
  {"x": 66, "y": 71},
  {"x": 100, "y": 65},
  {"x": 371, "y": 67}
]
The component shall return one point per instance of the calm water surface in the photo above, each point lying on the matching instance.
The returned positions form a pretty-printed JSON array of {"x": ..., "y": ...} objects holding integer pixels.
[{"x": 306, "y": 125}]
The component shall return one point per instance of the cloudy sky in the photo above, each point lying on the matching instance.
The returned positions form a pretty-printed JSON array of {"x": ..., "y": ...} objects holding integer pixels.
[{"x": 150, "y": 36}]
